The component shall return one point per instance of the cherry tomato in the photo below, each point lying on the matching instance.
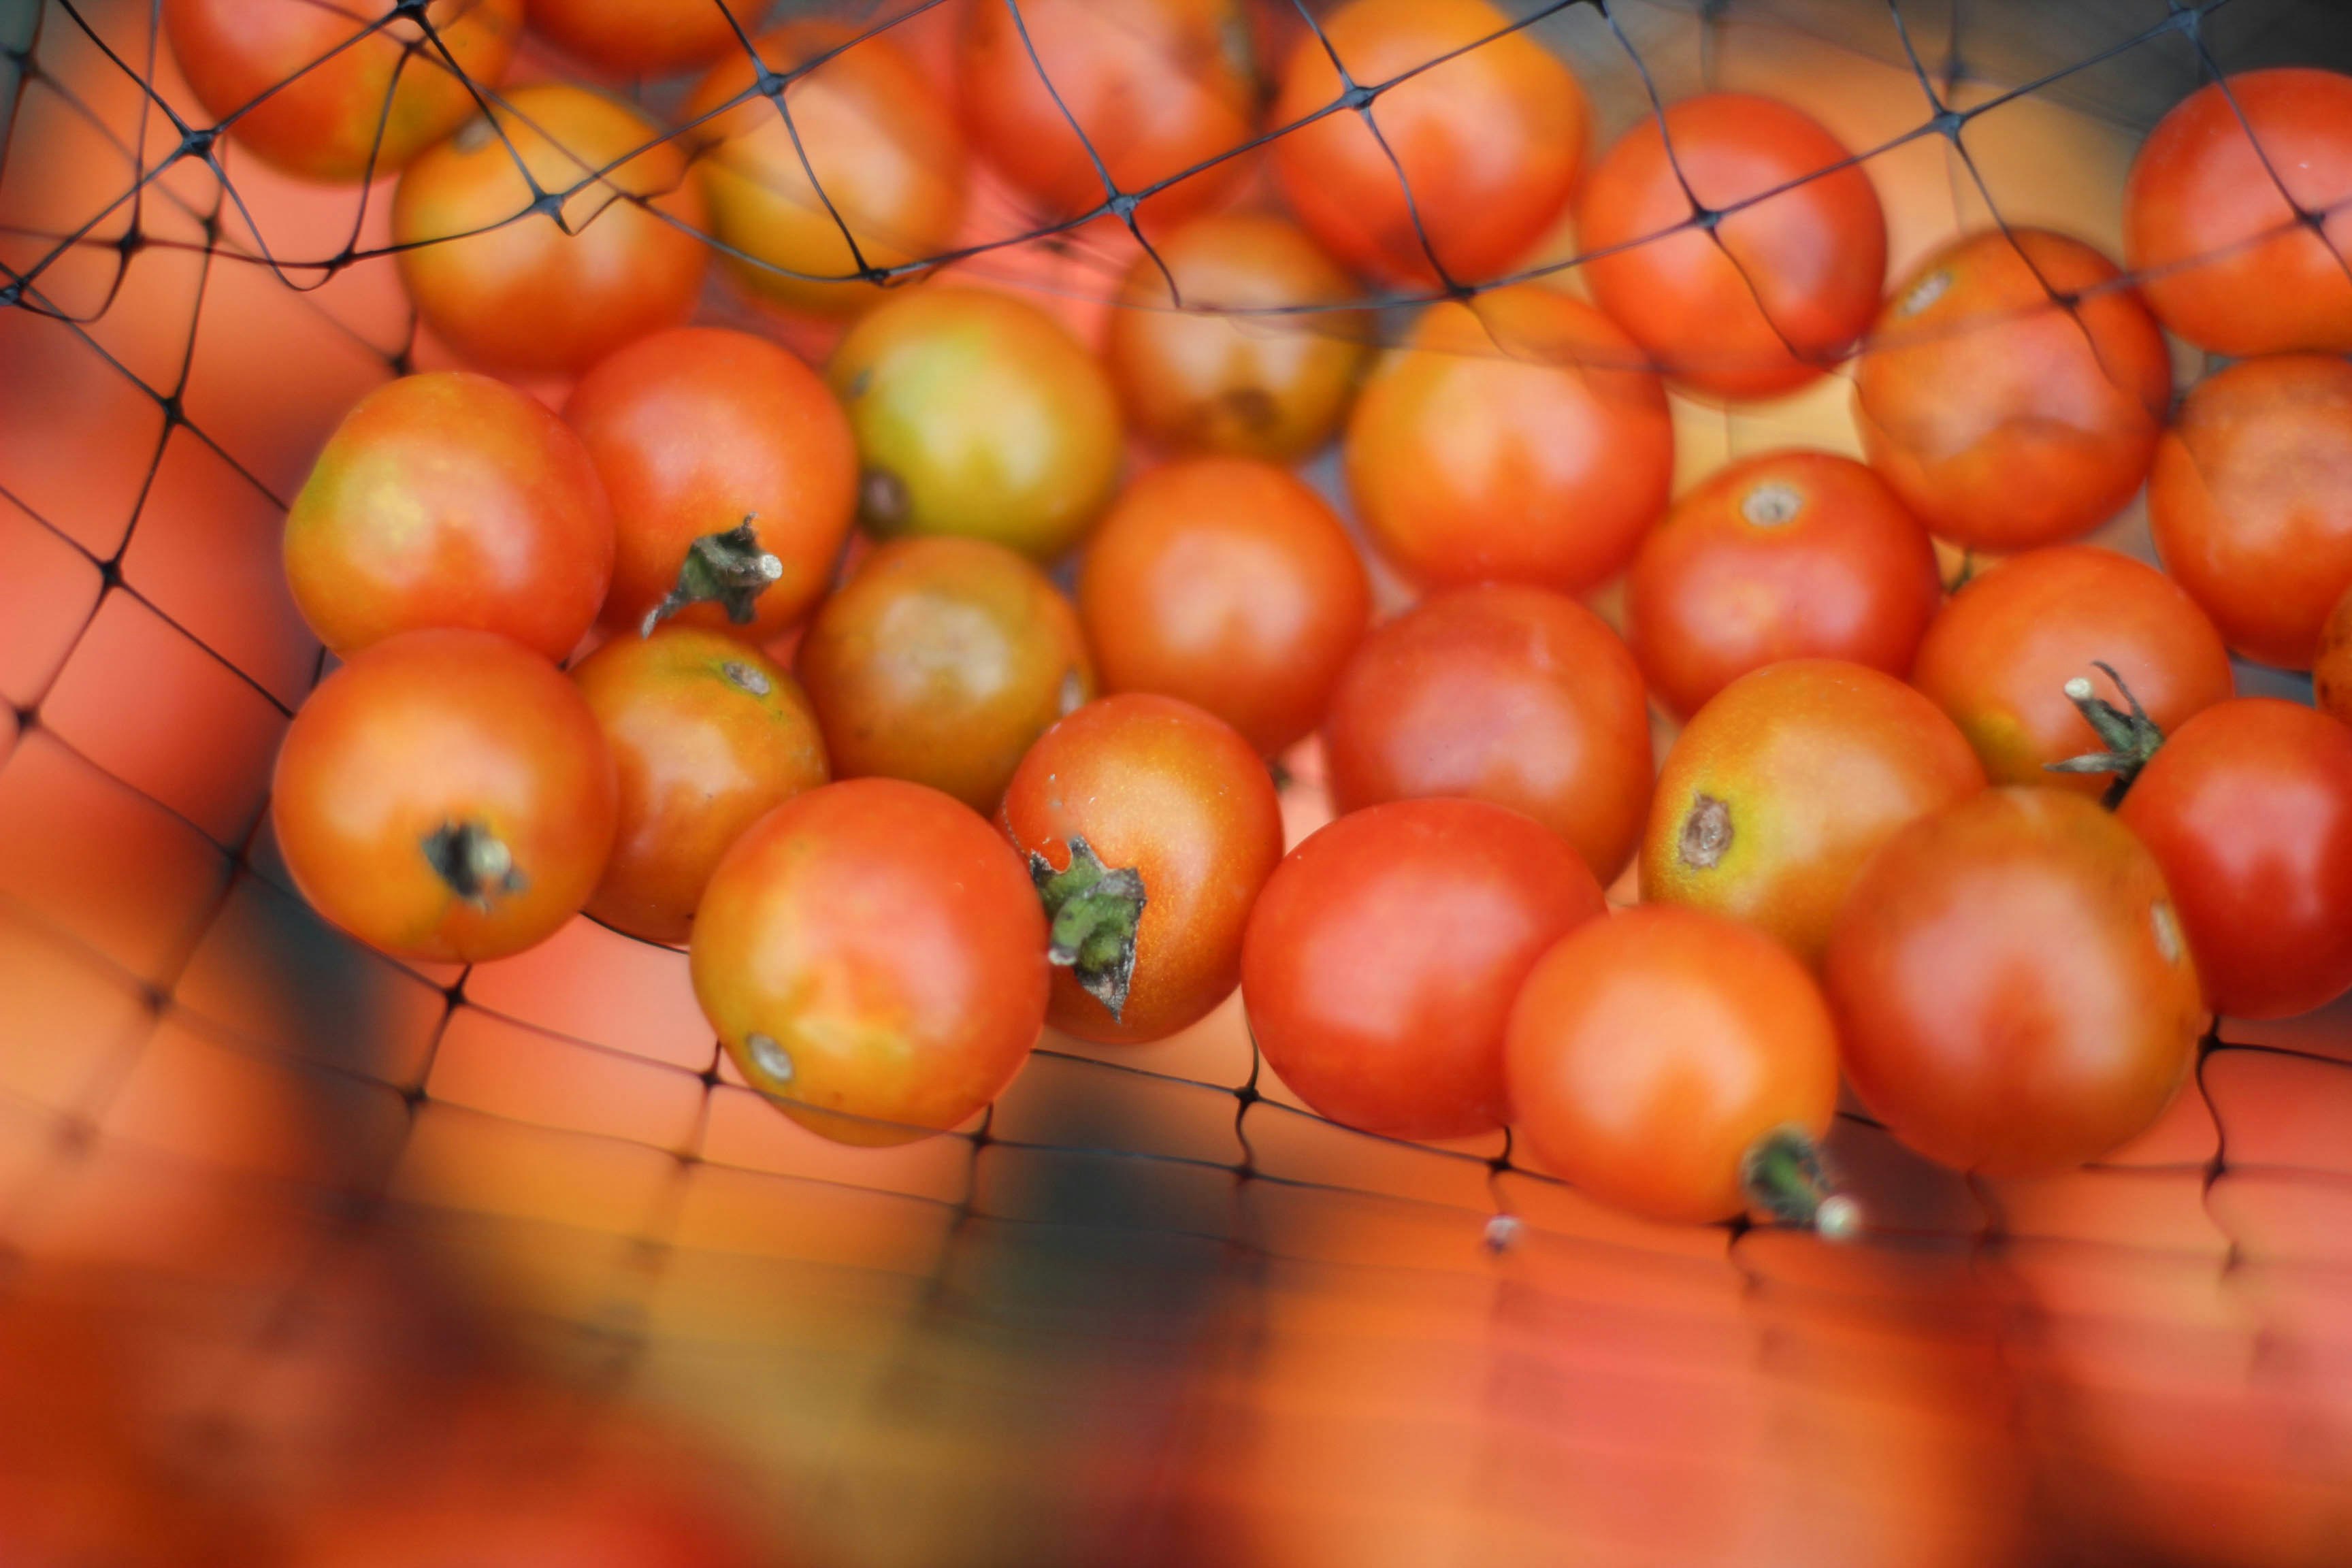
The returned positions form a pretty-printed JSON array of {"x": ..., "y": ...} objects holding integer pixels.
[
  {"x": 699, "y": 433},
  {"x": 1229, "y": 584},
  {"x": 1777, "y": 289},
  {"x": 872, "y": 956},
  {"x": 552, "y": 293},
  {"x": 1381, "y": 961},
  {"x": 941, "y": 661},
  {"x": 447, "y": 796},
  {"x": 308, "y": 99},
  {"x": 1488, "y": 137},
  {"x": 2212, "y": 216},
  {"x": 1180, "y": 828},
  {"x": 2331, "y": 674},
  {"x": 2003, "y": 418},
  {"x": 640, "y": 37},
  {"x": 450, "y": 500},
  {"x": 2251, "y": 502},
  {"x": 1783, "y": 785},
  {"x": 2012, "y": 991},
  {"x": 1515, "y": 436},
  {"x": 2248, "y": 809},
  {"x": 1506, "y": 694},
  {"x": 1788, "y": 555}
]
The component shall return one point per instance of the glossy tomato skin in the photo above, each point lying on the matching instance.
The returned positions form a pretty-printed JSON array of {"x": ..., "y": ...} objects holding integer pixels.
[
  {"x": 1998, "y": 657},
  {"x": 1787, "y": 555},
  {"x": 430, "y": 730},
  {"x": 1506, "y": 694},
  {"x": 2248, "y": 809},
  {"x": 693, "y": 432},
  {"x": 1783, "y": 287},
  {"x": 2012, "y": 991},
  {"x": 2251, "y": 502},
  {"x": 516, "y": 535},
  {"x": 1231, "y": 585},
  {"x": 1518, "y": 438},
  {"x": 2003, "y": 419},
  {"x": 1779, "y": 790},
  {"x": 872, "y": 956},
  {"x": 1382, "y": 960},
  {"x": 638, "y": 37},
  {"x": 2331, "y": 675}
]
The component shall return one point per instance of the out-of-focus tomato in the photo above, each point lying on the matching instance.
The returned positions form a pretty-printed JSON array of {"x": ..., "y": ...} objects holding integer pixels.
[
  {"x": 2331, "y": 673},
  {"x": 1485, "y": 125},
  {"x": 1787, "y": 555},
  {"x": 1515, "y": 436},
  {"x": 2004, "y": 417},
  {"x": 2013, "y": 992},
  {"x": 1231, "y": 585},
  {"x": 450, "y": 500},
  {"x": 641, "y": 38},
  {"x": 1506, "y": 694},
  {"x": 1772, "y": 292},
  {"x": 2251, "y": 502},
  {"x": 447, "y": 796}
]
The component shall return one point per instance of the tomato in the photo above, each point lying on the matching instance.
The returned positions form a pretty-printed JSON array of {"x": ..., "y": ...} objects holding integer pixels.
[
  {"x": 940, "y": 661},
  {"x": 1230, "y": 362},
  {"x": 447, "y": 796},
  {"x": 2248, "y": 809},
  {"x": 552, "y": 293},
  {"x": 886, "y": 158},
  {"x": 700, "y": 432},
  {"x": 1500, "y": 693},
  {"x": 1680, "y": 1065},
  {"x": 1484, "y": 125},
  {"x": 307, "y": 99},
  {"x": 1515, "y": 436},
  {"x": 450, "y": 500},
  {"x": 1783, "y": 785},
  {"x": 2012, "y": 992},
  {"x": 2331, "y": 674},
  {"x": 639, "y": 38},
  {"x": 1779, "y": 288},
  {"x": 1787, "y": 555},
  {"x": 1149, "y": 827},
  {"x": 872, "y": 956},
  {"x": 2214, "y": 216},
  {"x": 2251, "y": 502},
  {"x": 979, "y": 415},
  {"x": 2002, "y": 417},
  {"x": 1231, "y": 585}
]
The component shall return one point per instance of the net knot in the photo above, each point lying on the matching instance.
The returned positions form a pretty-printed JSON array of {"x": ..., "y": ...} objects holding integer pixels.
[
  {"x": 1357, "y": 97},
  {"x": 198, "y": 143}
]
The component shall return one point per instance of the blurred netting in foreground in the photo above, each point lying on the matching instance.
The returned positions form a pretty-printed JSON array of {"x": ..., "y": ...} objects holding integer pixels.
[{"x": 1148, "y": 1309}]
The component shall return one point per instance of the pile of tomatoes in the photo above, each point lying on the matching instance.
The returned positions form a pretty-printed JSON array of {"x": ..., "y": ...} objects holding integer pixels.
[{"x": 1990, "y": 856}]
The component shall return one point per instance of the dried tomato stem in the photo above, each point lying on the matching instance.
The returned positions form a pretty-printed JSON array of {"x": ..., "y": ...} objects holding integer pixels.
[{"x": 728, "y": 570}]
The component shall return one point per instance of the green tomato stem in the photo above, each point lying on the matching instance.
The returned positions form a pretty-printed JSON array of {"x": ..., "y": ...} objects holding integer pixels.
[
  {"x": 728, "y": 570},
  {"x": 1784, "y": 1176},
  {"x": 2131, "y": 738},
  {"x": 1093, "y": 911}
]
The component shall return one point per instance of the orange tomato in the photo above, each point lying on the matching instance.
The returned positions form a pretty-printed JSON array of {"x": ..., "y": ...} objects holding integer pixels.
[{"x": 639, "y": 38}]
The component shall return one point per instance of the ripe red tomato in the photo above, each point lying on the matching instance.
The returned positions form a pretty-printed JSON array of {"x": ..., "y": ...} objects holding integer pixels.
[
  {"x": 2003, "y": 418},
  {"x": 447, "y": 796},
  {"x": 1485, "y": 125},
  {"x": 2251, "y": 502},
  {"x": 640, "y": 37},
  {"x": 2012, "y": 991},
  {"x": 1773, "y": 292},
  {"x": 700, "y": 432},
  {"x": 1788, "y": 555},
  {"x": 450, "y": 500},
  {"x": 1180, "y": 828},
  {"x": 872, "y": 956},
  {"x": 1515, "y": 436},
  {"x": 1506, "y": 694},
  {"x": 2248, "y": 809},
  {"x": 1780, "y": 788},
  {"x": 2230, "y": 267},
  {"x": 1230, "y": 584},
  {"x": 2331, "y": 673}
]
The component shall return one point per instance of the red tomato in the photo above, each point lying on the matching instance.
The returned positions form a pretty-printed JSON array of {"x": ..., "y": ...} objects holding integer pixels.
[
  {"x": 872, "y": 956},
  {"x": 1500, "y": 693},
  {"x": 1787, "y": 555},
  {"x": 640, "y": 37},
  {"x": 1779, "y": 288},
  {"x": 447, "y": 796},
  {"x": 1380, "y": 964},
  {"x": 2012, "y": 991},
  {"x": 2331, "y": 675},
  {"x": 1515, "y": 436},
  {"x": 450, "y": 500}
]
